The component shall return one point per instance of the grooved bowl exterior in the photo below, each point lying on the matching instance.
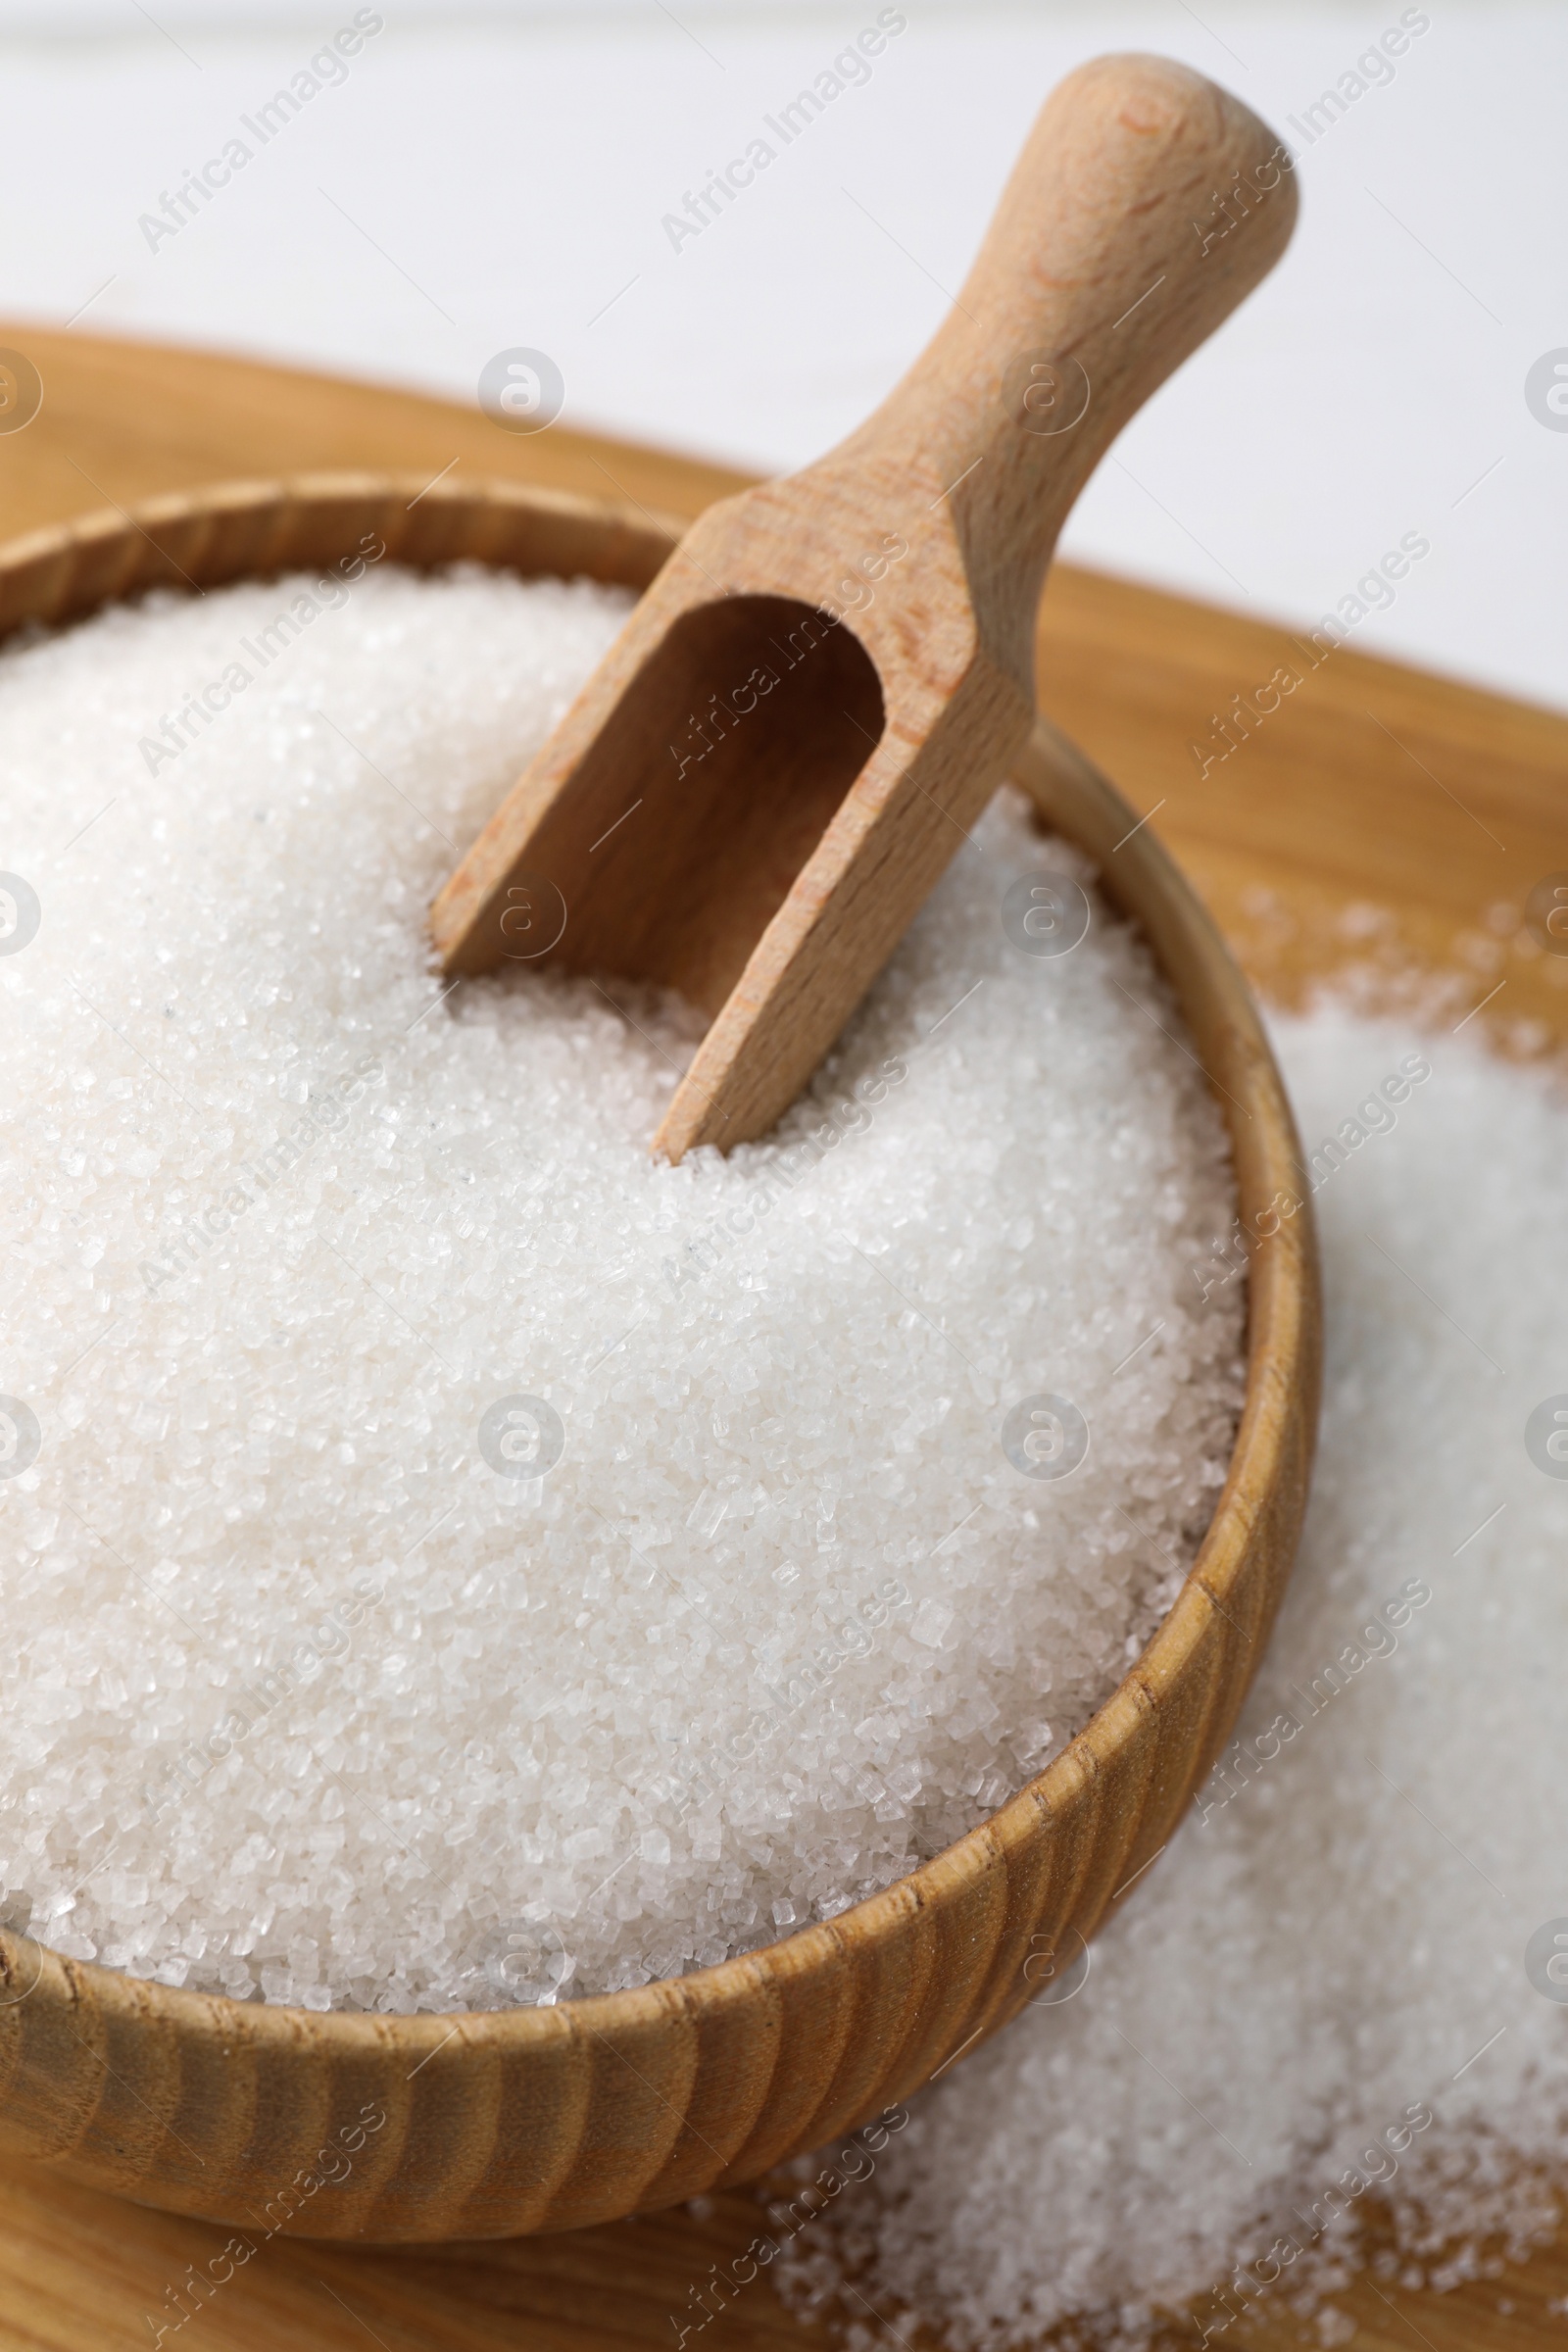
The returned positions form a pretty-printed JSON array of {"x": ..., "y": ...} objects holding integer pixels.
[{"x": 497, "y": 2124}]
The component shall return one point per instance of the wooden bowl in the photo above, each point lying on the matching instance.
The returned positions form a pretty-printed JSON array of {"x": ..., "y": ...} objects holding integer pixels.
[{"x": 494, "y": 2124}]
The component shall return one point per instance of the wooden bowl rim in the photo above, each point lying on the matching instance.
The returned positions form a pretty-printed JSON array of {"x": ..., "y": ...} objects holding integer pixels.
[{"x": 1283, "y": 1287}]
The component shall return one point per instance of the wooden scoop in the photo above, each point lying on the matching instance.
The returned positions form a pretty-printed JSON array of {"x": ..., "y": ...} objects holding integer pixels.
[{"x": 760, "y": 783}]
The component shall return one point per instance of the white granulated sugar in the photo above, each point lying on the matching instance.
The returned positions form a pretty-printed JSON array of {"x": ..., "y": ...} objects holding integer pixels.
[
  {"x": 1338, "y": 1975},
  {"x": 317, "y": 1683}
]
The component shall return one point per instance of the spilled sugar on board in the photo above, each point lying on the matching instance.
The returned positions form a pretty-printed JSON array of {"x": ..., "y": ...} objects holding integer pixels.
[{"x": 1334, "y": 1998}]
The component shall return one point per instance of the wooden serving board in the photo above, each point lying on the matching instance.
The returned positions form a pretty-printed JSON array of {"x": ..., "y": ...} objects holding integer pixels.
[{"x": 1374, "y": 816}]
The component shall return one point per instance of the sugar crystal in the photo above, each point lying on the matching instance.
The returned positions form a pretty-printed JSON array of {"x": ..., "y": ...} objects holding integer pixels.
[{"x": 451, "y": 1559}]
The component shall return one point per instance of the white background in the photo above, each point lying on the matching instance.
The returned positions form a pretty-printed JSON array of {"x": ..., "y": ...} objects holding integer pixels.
[{"x": 487, "y": 178}]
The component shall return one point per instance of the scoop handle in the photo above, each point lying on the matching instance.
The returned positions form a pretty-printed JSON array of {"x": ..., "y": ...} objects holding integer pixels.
[{"x": 1145, "y": 204}]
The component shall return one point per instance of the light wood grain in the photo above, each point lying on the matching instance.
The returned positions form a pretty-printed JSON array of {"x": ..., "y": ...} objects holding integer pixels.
[
  {"x": 81, "y": 2272},
  {"x": 762, "y": 782},
  {"x": 1321, "y": 814}
]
